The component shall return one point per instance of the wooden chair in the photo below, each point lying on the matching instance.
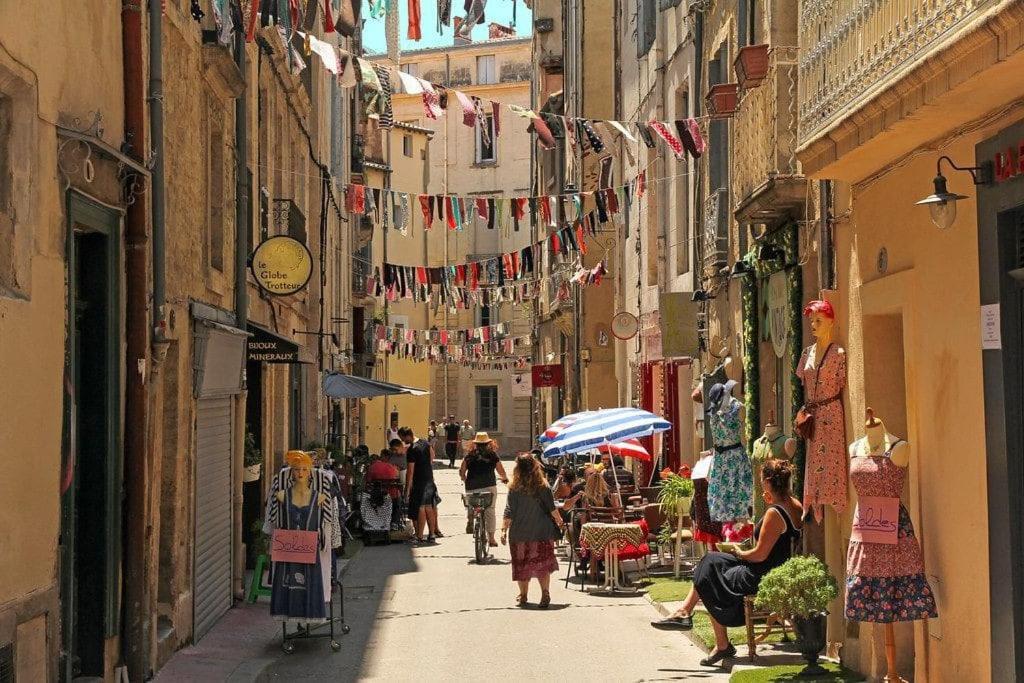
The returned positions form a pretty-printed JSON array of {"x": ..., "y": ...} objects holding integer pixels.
[{"x": 760, "y": 625}]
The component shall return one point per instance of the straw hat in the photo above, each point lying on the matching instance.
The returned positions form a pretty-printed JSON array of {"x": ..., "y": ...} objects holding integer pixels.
[{"x": 481, "y": 437}]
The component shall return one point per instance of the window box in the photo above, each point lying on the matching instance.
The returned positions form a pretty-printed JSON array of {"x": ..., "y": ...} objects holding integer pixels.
[
  {"x": 751, "y": 65},
  {"x": 722, "y": 100}
]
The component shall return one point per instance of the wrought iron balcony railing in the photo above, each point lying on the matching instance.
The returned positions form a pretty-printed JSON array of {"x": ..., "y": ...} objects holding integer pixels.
[{"x": 851, "y": 50}]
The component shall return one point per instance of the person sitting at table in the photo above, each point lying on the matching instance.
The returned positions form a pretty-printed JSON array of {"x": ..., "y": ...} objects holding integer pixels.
[
  {"x": 564, "y": 483},
  {"x": 722, "y": 579},
  {"x": 615, "y": 473}
]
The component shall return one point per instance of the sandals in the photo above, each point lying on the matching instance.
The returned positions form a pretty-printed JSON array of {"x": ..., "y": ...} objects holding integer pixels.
[
  {"x": 521, "y": 600},
  {"x": 545, "y": 600}
]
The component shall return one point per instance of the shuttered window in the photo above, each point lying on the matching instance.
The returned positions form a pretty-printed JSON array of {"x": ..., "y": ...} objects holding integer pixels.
[
  {"x": 487, "y": 408},
  {"x": 646, "y": 25}
]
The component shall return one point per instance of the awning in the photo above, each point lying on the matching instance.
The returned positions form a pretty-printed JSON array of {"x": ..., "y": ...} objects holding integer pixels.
[{"x": 340, "y": 385}]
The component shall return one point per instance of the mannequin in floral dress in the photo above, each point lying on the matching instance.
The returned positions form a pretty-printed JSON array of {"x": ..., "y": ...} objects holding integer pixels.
[
  {"x": 822, "y": 369},
  {"x": 885, "y": 583},
  {"x": 730, "y": 484}
]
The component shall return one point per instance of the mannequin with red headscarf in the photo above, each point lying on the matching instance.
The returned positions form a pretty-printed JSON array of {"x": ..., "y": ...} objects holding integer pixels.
[{"x": 822, "y": 369}]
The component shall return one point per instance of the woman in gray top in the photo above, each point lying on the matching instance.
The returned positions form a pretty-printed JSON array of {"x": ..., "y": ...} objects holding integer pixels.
[{"x": 531, "y": 526}]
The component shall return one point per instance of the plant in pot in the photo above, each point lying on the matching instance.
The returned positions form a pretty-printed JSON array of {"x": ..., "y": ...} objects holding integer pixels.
[
  {"x": 675, "y": 496},
  {"x": 252, "y": 459},
  {"x": 801, "y": 588}
]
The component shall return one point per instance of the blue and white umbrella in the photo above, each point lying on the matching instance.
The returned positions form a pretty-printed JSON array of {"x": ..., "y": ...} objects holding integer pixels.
[{"x": 611, "y": 425}]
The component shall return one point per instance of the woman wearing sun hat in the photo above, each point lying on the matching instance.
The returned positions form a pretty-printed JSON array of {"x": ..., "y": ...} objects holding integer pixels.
[{"x": 478, "y": 472}]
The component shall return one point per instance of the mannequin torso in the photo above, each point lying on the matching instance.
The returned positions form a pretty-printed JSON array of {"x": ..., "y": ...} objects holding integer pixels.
[{"x": 877, "y": 441}]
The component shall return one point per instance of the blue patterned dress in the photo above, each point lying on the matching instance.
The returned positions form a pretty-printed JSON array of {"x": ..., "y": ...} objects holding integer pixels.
[
  {"x": 297, "y": 590},
  {"x": 730, "y": 484}
]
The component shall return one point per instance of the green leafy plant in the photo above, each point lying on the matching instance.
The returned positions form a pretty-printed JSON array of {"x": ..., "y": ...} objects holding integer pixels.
[
  {"x": 260, "y": 541},
  {"x": 252, "y": 455},
  {"x": 801, "y": 587},
  {"x": 673, "y": 491}
]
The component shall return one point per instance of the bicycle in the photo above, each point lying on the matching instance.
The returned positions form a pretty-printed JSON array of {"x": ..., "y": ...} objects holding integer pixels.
[{"x": 477, "y": 502}]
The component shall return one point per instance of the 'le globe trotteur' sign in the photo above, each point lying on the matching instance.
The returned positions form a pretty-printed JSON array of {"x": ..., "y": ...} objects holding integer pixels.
[{"x": 282, "y": 265}]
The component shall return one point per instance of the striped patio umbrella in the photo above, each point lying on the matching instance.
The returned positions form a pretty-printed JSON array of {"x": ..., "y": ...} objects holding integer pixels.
[
  {"x": 630, "y": 448},
  {"x": 607, "y": 426},
  {"x": 556, "y": 427}
]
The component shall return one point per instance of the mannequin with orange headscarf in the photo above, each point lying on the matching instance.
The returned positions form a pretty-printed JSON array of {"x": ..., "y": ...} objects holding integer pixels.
[{"x": 301, "y": 465}]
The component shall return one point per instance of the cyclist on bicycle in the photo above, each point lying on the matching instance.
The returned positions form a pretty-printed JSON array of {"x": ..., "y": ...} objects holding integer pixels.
[{"x": 478, "y": 472}]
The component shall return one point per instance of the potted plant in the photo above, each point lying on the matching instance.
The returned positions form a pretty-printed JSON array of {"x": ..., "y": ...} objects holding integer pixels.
[
  {"x": 722, "y": 99},
  {"x": 253, "y": 459},
  {"x": 751, "y": 65},
  {"x": 801, "y": 588},
  {"x": 675, "y": 496}
]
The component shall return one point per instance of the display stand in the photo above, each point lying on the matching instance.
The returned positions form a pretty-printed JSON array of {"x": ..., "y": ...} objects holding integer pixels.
[
  {"x": 891, "y": 675},
  {"x": 304, "y": 631}
]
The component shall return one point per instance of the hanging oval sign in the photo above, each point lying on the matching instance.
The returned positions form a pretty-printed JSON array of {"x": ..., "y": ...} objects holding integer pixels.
[
  {"x": 625, "y": 325},
  {"x": 282, "y": 265}
]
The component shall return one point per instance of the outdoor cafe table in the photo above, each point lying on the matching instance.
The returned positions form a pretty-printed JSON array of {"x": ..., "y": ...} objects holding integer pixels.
[{"x": 610, "y": 539}]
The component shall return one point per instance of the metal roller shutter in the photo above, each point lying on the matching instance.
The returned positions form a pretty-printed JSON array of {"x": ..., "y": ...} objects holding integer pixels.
[{"x": 212, "y": 577}]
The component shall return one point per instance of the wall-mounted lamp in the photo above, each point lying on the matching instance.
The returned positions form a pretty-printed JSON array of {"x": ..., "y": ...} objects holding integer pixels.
[
  {"x": 770, "y": 252},
  {"x": 701, "y": 295},
  {"x": 741, "y": 269},
  {"x": 942, "y": 203}
]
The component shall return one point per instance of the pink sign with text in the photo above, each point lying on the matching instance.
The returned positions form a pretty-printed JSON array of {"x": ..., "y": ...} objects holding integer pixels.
[
  {"x": 292, "y": 545},
  {"x": 876, "y": 520}
]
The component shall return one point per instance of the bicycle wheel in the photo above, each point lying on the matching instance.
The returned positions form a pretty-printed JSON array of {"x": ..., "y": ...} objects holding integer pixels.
[{"x": 480, "y": 539}]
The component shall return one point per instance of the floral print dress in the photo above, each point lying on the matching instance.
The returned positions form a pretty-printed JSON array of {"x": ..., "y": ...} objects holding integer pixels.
[
  {"x": 885, "y": 582},
  {"x": 730, "y": 484},
  {"x": 825, "y": 468}
]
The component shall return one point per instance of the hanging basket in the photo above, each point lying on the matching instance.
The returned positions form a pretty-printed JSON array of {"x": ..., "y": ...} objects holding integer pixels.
[
  {"x": 751, "y": 65},
  {"x": 722, "y": 99},
  {"x": 252, "y": 473}
]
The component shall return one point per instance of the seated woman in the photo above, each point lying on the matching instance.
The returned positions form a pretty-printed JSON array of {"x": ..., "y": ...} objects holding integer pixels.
[
  {"x": 721, "y": 580},
  {"x": 594, "y": 494}
]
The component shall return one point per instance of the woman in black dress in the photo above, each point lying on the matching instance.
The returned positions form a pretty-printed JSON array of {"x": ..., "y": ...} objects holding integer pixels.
[{"x": 721, "y": 580}]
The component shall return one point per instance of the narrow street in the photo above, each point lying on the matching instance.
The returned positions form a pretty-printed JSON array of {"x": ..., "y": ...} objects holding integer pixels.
[{"x": 431, "y": 613}]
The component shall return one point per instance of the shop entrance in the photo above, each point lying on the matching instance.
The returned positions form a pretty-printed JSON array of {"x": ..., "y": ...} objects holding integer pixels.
[{"x": 90, "y": 538}]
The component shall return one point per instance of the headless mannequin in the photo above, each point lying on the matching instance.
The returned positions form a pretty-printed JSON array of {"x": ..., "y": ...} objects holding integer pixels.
[{"x": 873, "y": 444}]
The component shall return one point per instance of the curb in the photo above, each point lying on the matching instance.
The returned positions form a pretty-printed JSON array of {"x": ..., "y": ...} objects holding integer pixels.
[{"x": 689, "y": 635}]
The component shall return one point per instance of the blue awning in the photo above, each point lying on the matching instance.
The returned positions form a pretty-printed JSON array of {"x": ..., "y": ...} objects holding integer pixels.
[{"x": 340, "y": 385}]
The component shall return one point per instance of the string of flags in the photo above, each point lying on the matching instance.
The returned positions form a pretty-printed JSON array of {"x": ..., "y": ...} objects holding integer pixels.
[
  {"x": 393, "y": 208},
  {"x": 682, "y": 136},
  {"x": 483, "y": 333},
  {"x": 454, "y": 351}
]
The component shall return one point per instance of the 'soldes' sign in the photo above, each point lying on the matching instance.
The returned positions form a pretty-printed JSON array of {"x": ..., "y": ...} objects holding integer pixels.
[
  {"x": 282, "y": 265},
  {"x": 1009, "y": 164}
]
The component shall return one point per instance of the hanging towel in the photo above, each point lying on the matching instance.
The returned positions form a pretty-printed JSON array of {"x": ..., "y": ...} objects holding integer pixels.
[
  {"x": 592, "y": 137},
  {"x": 496, "y": 113},
  {"x": 645, "y": 135},
  {"x": 693, "y": 141},
  {"x": 544, "y": 137},
  {"x": 415, "y": 19},
  {"x": 673, "y": 142},
  {"x": 481, "y": 207},
  {"x": 386, "y": 116},
  {"x": 426, "y": 206},
  {"x": 468, "y": 110}
]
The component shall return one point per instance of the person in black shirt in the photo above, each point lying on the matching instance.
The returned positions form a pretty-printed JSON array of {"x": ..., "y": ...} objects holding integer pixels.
[
  {"x": 478, "y": 472},
  {"x": 420, "y": 490},
  {"x": 451, "y": 440}
]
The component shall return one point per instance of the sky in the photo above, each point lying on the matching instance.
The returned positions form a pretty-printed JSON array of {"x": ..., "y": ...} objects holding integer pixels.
[{"x": 499, "y": 11}]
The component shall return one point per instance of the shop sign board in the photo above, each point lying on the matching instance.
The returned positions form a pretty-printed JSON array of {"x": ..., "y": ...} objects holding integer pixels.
[
  {"x": 678, "y": 320},
  {"x": 282, "y": 265},
  {"x": 547, "y": 376},
  {"x": 266, "y": 347},
  {"x": 1009, "y": 163}
]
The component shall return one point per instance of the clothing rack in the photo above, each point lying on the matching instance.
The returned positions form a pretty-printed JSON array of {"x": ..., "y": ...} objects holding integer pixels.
[{"x": 303, "y": 632}]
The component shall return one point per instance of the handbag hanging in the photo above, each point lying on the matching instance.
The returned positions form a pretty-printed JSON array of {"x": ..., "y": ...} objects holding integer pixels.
[{"x": 803, "y": 424}]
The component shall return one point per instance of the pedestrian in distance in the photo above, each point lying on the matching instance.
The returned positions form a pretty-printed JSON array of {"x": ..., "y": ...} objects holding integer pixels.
[
  {"x": 480, "y": 470},
  {"x": 420, "y": 489},
  {"x": 530, "y": 526},
  {"x": 451, "y": 440}
]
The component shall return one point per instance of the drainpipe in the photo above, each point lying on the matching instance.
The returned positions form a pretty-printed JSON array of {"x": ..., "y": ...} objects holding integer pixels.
[
  {"x": 242, "y": 189},
  {"x": 156, "y": 123},
  {"x": 135, "y": 634}
]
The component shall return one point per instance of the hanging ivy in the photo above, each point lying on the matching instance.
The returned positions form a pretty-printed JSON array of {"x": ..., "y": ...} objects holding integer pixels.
[{"x": 751, "y": 363}]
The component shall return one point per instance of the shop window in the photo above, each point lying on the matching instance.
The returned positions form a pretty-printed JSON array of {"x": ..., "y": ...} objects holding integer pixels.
[
  {"x": 486, "y": 73},
  {"x": 486, "y": 145},
  {"x": 215, "y": 188},
  {"x": 487, "y": 408}
]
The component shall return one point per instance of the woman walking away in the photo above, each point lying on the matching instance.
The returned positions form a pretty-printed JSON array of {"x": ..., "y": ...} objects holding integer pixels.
[
  {"x": 530, "y": 528},
  {"x": 478, "y": 472}
]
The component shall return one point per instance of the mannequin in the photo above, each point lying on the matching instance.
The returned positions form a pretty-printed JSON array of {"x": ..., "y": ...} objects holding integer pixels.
[
  {"x": 770, "y": 445},
  {"x": 300, "y": 592},
  {"x": 885, "y": 582},
  {"x": 705, "y": 529},
  {"x": 822, "y": 369},
  {"x": 730, "y": 484}
]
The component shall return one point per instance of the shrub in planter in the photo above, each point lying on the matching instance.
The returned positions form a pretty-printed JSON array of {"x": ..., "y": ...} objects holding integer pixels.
[
  {"x": 801, "y": 588},
  {"x": 675, "y": 496}
]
